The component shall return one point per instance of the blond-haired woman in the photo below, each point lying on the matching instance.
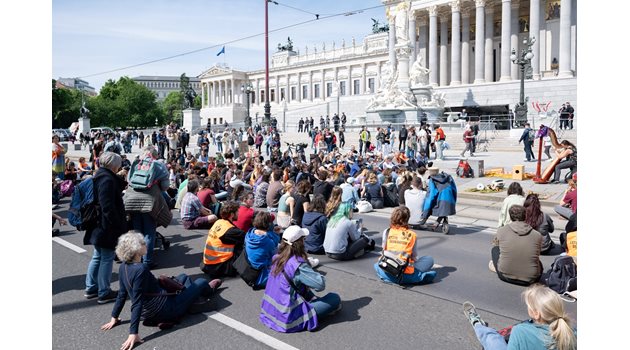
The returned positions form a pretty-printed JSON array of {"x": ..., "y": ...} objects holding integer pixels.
[
  {"x": 286, "y": 203},
  {"x": 548, "y": 328}
]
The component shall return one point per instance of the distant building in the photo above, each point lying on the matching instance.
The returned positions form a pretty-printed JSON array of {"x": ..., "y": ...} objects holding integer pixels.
[
  {"x": 164, "y": 85},
  {"x": 76, "y": 83}
]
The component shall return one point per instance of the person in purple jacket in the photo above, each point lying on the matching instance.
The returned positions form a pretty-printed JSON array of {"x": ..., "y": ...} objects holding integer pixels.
[{"x": 288, "y": 304}]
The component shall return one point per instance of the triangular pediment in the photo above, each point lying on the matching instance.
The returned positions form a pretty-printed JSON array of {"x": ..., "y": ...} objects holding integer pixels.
[{"x": 215, "y": 70}]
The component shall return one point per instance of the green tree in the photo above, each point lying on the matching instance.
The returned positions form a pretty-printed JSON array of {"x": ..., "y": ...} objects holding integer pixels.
[
  {"x": 172, "y": 107},
  {"x": 125, "y": 103},
  {"x": 65, "y": 106}
]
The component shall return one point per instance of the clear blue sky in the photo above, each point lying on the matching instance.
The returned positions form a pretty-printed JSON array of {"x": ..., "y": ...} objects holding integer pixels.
[{"x": 90, "y": 37}]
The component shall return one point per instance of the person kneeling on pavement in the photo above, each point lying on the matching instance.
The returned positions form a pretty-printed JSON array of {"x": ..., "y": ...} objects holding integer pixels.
[
  {"x": 288, "y": 304},
  {"x": 343, "y": 239},
  {"x": 224, "y": 243},
  {"x": 261, "y": 244},
  {"x": 516, "y": 250},
  {"x": 400, "y": 242},
  {"x": 148, "y": 298}
]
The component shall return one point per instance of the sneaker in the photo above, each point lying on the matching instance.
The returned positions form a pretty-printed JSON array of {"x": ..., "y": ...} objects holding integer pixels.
[
  {"x": 314, "y": 262},
  {"x": 429, "y": 276},
  {"x": 372, "y": 244},
  {"x": 109, "y": 297},
  {"x": 55, "y": 232},
  {"x": 471, "y": 313},
  {"x": 491, "y": 266},
  {"x": 89, "y": 295}
]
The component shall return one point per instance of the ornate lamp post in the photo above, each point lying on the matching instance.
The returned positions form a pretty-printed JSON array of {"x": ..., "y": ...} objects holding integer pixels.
[
  {"x": 247, "y": 89},
  {"x": 520, "y": 111},
  {"x": 267, "y": 119}
]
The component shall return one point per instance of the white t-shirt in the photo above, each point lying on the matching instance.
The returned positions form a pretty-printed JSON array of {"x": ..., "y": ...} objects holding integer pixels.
[{"x": 414, "y": 200}]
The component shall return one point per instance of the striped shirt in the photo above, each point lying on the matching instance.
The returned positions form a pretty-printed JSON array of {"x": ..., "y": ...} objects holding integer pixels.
[{"x": 190, "y": 207}]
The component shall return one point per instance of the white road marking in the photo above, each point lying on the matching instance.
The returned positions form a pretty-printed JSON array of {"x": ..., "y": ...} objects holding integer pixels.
[
  {"x": 251, "y": 332},
  {"x": 69, "y": 245}
]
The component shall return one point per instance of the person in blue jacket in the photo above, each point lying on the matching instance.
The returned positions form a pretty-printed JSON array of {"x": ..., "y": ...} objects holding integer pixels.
[
  {"x": 261, "y": 244},
  {"x": 441, "y": 197}
]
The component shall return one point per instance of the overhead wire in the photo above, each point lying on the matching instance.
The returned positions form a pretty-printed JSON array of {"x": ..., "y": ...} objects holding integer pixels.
[{"x": 318, "y": 17}]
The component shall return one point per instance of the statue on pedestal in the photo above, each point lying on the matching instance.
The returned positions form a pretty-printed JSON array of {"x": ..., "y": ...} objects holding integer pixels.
[
  {"x": 402, "y": 23},
  {"x": 85, "y": 113},
  {"x": 419, "y": 74}
]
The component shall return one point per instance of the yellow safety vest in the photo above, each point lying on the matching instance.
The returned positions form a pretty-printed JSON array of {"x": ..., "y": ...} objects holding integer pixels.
[
  {"x": 216, "y": 251},
  {"x": 400, "y": 242}
]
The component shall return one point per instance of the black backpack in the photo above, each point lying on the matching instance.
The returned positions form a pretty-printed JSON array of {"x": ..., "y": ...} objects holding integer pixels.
[{"x": 562, "y": 277}]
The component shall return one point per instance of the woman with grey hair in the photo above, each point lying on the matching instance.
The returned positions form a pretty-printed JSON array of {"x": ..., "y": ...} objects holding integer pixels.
[
  {"x": 148, "y": 298},
  {"x": 147, "y": 206},
  {"x": 111, "y": 224}
]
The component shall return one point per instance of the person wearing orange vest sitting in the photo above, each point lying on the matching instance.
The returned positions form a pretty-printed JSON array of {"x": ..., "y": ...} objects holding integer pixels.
[
  {"x": 224, "y": 243},
  {"x": 399, "y": 240}
]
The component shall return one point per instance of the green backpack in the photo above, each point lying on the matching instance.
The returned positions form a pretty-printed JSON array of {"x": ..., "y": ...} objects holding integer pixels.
[{"x": 142, "y": 173}]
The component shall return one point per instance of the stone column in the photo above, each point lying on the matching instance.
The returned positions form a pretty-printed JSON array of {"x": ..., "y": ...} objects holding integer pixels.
[
  {"x": 506, "y": 30},
  {"x": 534, "y": 28},
  {"x": 465, "y": 47},
  {"x": 456, "y": 61},
  {"x": 257, "y": 92},
  {"x": 433, "y": 49},
  {"x": 299, "y": 87},
  {"x": 363, "y": 78},
  {"x": 203, "y": 95},
  {"x": 220, "y": 92},
  {"x": 232, "y": 91},
  {"x": 514, "y": 39},
  {"x": 309, "y": 91},
  {"x": 564, "y": 69},
  {"x": 377, "y": 83},
  {"x": 412, "y": 37},
  {"x": 423, "y": 34},
  {"x": 443, "y": 51},
  {"x": 542, "y": 39},
  {"x": 574, "y": 37},
  {"x": 349, "y": 83},
  {"x": 489, "y": 46},
  {"x": 480, "y": 15},
  {"x": 392, "y": 41}
]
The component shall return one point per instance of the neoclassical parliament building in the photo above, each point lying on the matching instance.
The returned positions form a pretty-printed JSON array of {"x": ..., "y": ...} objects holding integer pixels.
[{"x": 466, "y": 45}]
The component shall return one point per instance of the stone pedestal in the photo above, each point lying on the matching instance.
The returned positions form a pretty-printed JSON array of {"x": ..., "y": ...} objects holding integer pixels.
[
  {"x": 192, "y": 119},
  {"x": 84, "y": 126},
  {"x": 402, "y": 56}
]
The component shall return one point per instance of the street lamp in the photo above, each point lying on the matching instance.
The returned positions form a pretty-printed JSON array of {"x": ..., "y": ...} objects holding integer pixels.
[
  {"x": 247, "y": 89},
  {"x": 520, "y": 111},
  {"x": 267, "y": 108}
]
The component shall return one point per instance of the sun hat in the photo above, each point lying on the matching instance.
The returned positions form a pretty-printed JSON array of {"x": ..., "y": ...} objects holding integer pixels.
[{"x": 293, "y": 233}]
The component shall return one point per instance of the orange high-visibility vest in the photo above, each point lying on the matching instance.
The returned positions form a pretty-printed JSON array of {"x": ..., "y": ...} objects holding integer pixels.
[
  {"x": 400, "y": 242},
  {"x": 216, "y": 251},
  {"x": 572, "y": 244}
]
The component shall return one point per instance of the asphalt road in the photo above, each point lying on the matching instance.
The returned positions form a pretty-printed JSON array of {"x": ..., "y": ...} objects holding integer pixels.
[{"x": 374, "y": 314}]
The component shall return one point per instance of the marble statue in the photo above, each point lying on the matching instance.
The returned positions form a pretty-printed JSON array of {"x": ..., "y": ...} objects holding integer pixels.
[
  {"x": 419, "y": 74},
  {"x": 402, "y": 23}
]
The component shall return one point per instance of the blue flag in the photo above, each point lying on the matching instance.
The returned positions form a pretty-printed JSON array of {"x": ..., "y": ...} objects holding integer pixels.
[{"x": 222, "y": 51}]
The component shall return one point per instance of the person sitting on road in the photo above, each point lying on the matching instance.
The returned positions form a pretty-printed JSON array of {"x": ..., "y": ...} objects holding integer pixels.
[
  {"x": 148, "y": 300},
  {"x": 315, "y": 221},
  {"x": 302, "y": 199},
  {"x": 289, "y": 305},
  {"x": 333, "y": 201},
  {"x": 206, "y": 194},
  {"x": 414, "y": 199},
  {"x": 286, "y": 204},
  {"x": 245, "y": 210},
  {"x": 224, "y": 243},
  {"x": 260, "y": 197},
  {"x": 322, "y": 186},
  {"x": 261, "y": 244},
  {"x": 516, "y": 250},
  {"x": 349, "y": 193},
  {"x": 515, "y": 196},
  {"x": 399, "y": 240},
  {"x": 84, "y": 168},
  {"x": 548, "y": 328},
  {"x": 540, "y": 221},
  {"x": 193, "y": 214},
  {"x": 373, "y": 191},
  {"x": 274, "y": 191},
  {"x": 568, "y": 204},
  {"x": 343, "y": 239}
]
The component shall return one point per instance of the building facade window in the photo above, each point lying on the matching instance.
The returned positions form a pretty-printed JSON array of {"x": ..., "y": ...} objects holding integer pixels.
[
  {"x": 371, "y": 84},
  {"x": 282, "y": 95},
  {"x": 272, "y": 94},
  {"x": 293, "y": 91},
  {"x": 328, "y": 89},
  {"x": 304, "y": 91},
  {"x": 356, "y": 86},
  {"x": 262, "y": 95},
  {"x": 316, "y": 91},
  {"x": 342, "y": 88}
]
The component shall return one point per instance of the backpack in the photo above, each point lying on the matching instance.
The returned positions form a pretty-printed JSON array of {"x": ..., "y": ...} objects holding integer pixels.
[
  {"x": 464, "y": 169},
  {"x": 250, "y": 140},
  {"x": 562, "y": 276},
  {"x": 142, "y": 173},
  {"x": 66, "y": 188},
  {"x": 83, "y": 212},
  {"x": 531, "y": 135}
]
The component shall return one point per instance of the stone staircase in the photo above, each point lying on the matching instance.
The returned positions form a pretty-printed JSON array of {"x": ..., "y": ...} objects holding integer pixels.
[{"x": 500, "y": 140}]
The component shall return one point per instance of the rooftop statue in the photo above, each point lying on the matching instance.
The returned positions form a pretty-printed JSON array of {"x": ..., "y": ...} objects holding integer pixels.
[{"x": 377, "y": 28}]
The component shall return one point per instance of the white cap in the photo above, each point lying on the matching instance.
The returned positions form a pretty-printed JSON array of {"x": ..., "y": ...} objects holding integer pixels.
[
  {"x": 350, "y": 180},
  {"x": 293, "y": 233}
]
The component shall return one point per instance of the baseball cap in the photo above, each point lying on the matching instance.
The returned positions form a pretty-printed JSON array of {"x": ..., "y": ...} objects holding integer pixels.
[
  {"x": 350, "y": 180},
  {"x": 293, "y": 233}
]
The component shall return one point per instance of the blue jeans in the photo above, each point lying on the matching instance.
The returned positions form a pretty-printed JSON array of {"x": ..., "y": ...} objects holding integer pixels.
[
  {"x": 529, "y": 154},
  {"x": 99, "y": 271},
  {"x": 489, "y": 338},
  {"x": 220, "y": 147},
  {"x": 422, "y": 272},
  {"x": 177, "y": 305},
  {"x": 326, "y": 304},
  {"x": 145, "y": 224},
  {"x": 439, "y": 150}
]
